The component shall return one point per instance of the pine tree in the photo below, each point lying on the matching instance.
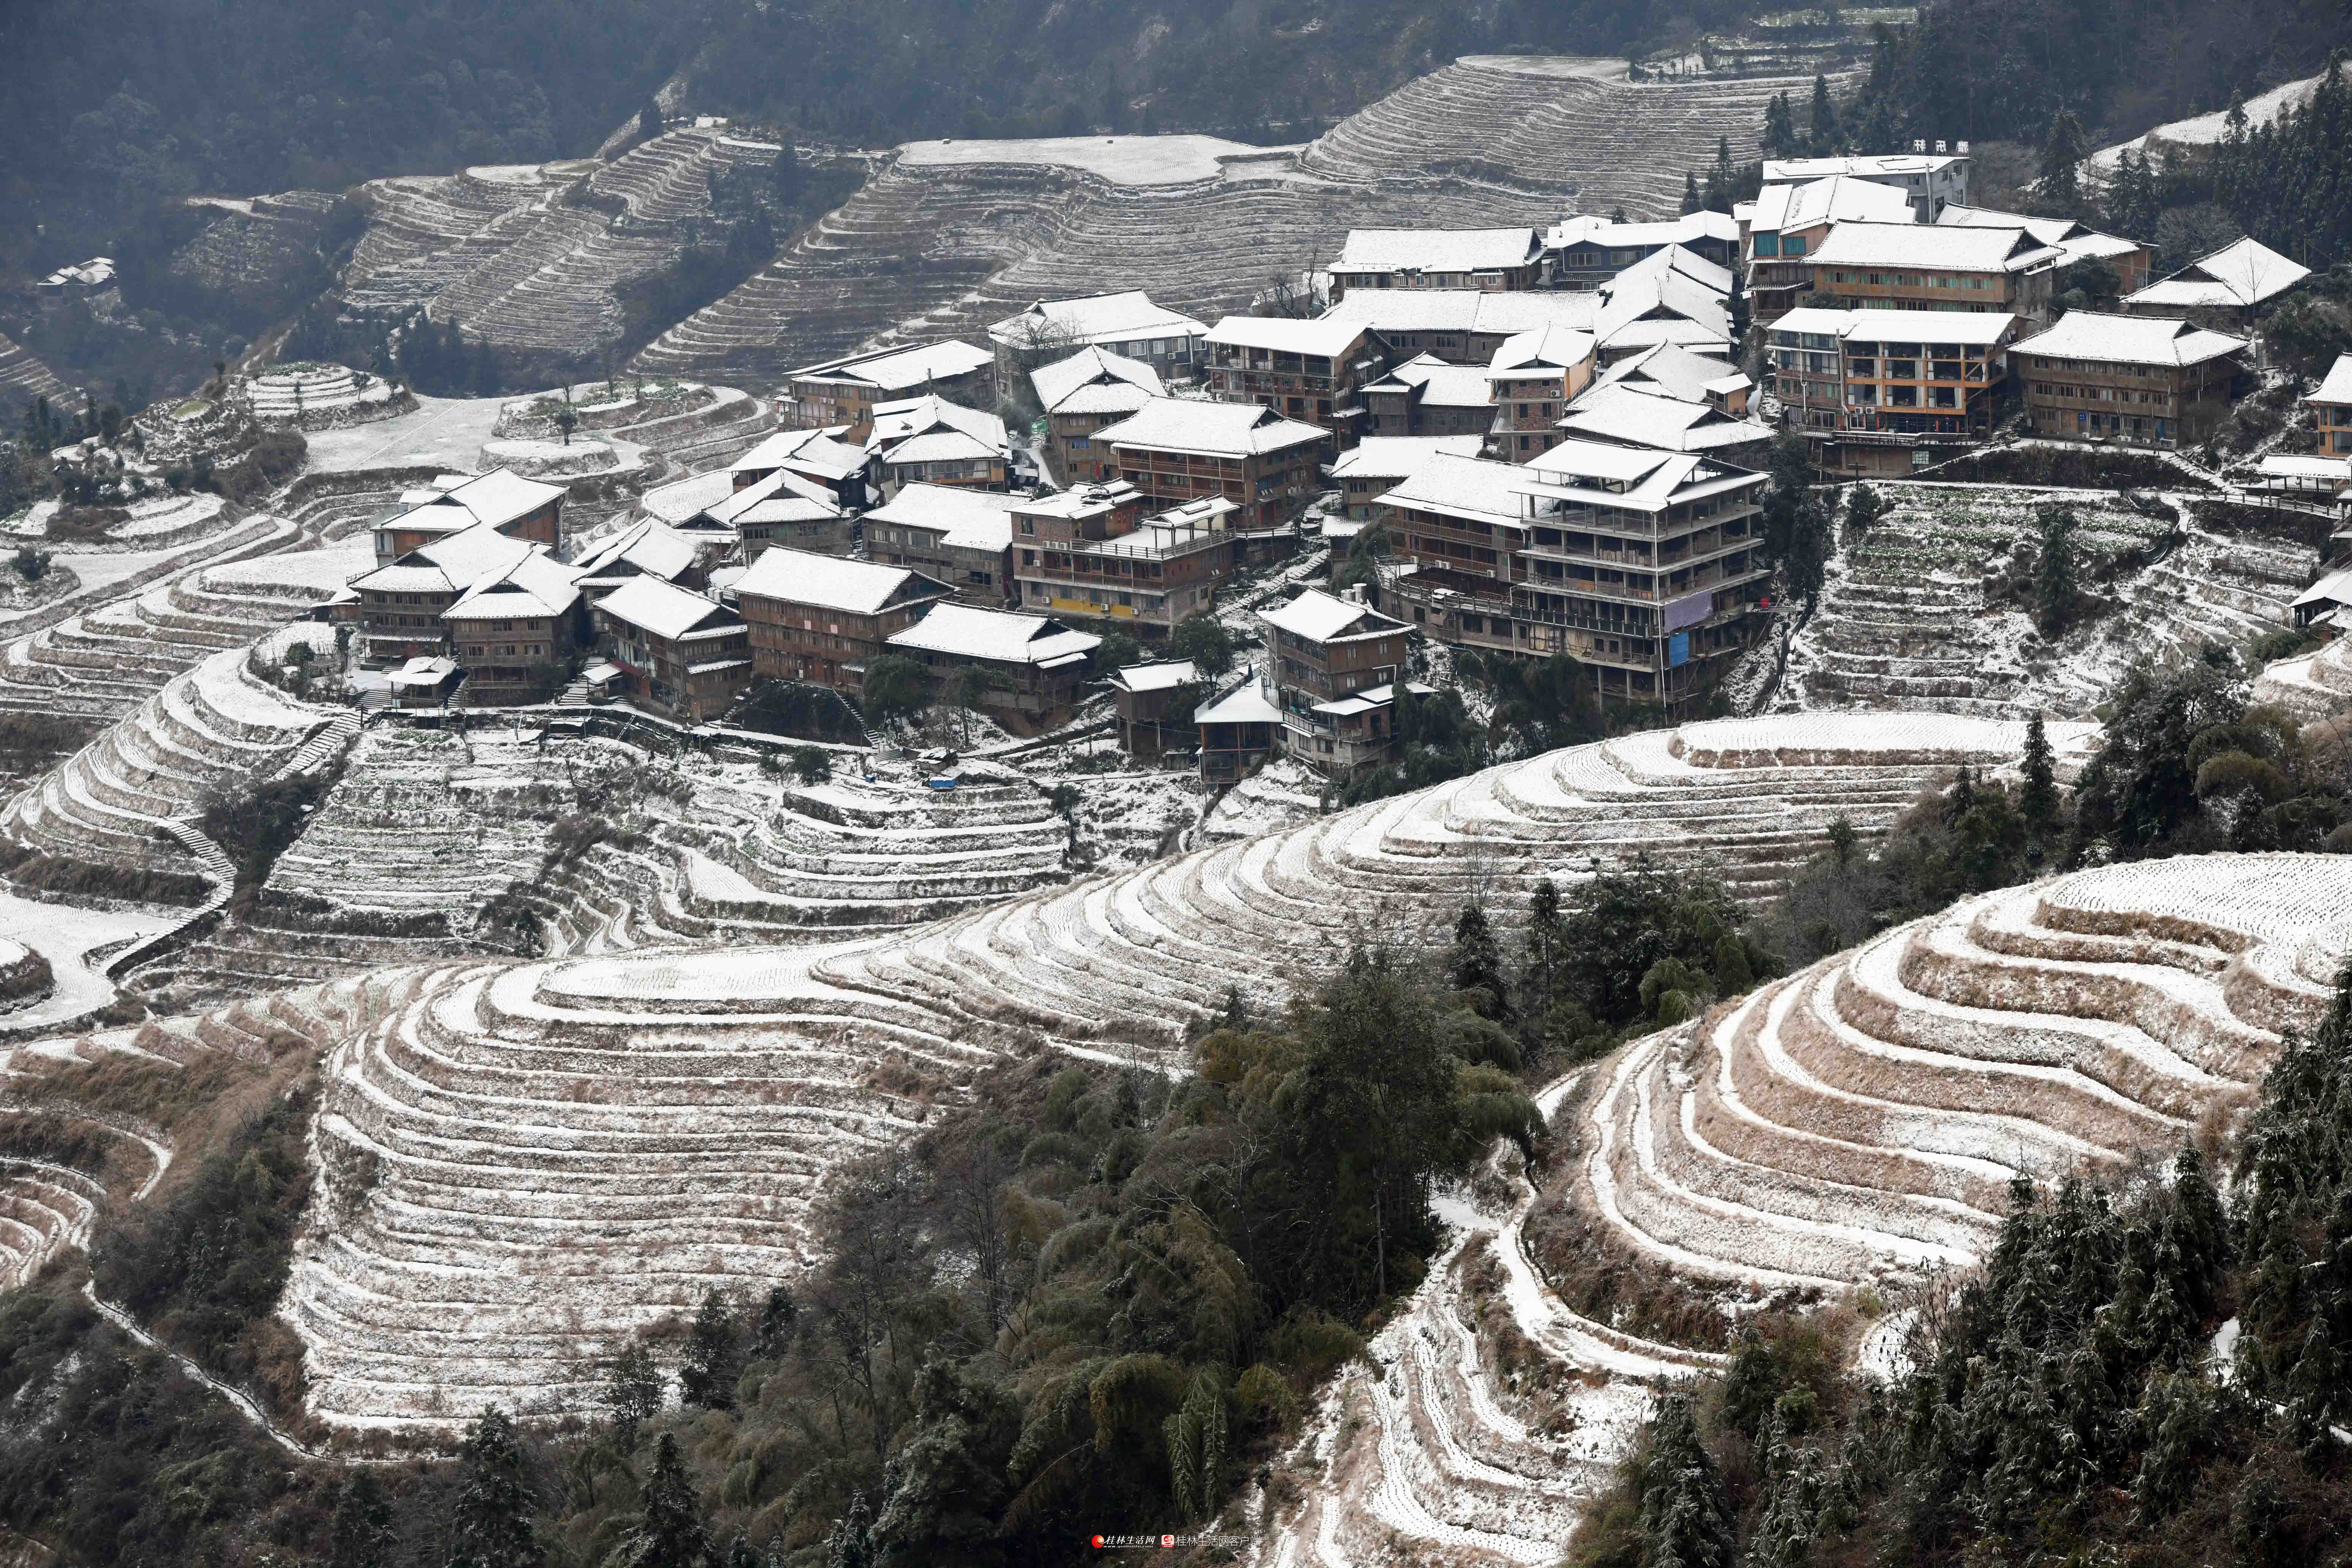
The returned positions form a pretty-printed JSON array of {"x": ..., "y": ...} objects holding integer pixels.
[
  {"x": 492, "y": 1524},
  {"x": 851, "y": 1543},
  {"x": 1825, "y": 121},
  {"x": 669, "y": 1533},
  {"x": 1690, "y": 193},
  {"x": 705, "y": 1379},
  {"x": 2037, "y": 802},
  {"x": 1686, "y": 1517},
  {"x": 1544, "y": 952},
  {"x": 2061, "y": 157},
  {"x": 633, "y": 1392},
  {"x": 778, "y": 1315},
  {"x": 361, "y": 1533},
  {"x": 1475, "y": 964},
  {"x": 1779, "y": 128},
  {"x": 2055, "y": 579}
]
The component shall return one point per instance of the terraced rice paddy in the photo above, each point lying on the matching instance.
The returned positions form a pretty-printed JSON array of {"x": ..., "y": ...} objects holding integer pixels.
[
  {"x": 528, "y": 1124},
  {"x": 1910, "y": 619}
]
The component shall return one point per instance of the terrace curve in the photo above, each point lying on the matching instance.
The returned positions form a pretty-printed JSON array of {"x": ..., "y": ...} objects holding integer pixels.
[{"x": 563, "y": 1152}]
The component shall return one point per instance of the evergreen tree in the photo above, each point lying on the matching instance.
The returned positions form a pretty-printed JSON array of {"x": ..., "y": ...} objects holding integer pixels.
[
  {"x": 2037, "y": 802},
  {"x": 1686, "y": 1517},
  {"x": 1779, "y": 129},
  {"x": 1543, "y": 958},
  {"x": 1475, "y": 964},
  {"x": 948, "y": 1482},
  {"x": 705, "y": 1379},
  {"x": 360, "y": 1536},
  {"x": 649, "y": 120},
  {"x": 2054, "y": 581},
  {"x": 778, "y": 1315},
  {"x": 671, "y": 1533},
  {"x": 491, "y": 1527},
  {"x": 632, "y": 1391},
  {"x": 851, "y": 1543},
  {"x": 1690, "y": 193},
  {"x": 2061, "y": 158},
  {"x": 1824, "y": 120}
]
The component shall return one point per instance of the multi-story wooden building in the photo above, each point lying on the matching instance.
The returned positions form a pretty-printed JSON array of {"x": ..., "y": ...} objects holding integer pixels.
[
  {"x": 1624, "y": 414},
  {"x": 844, "y": 391},
  {"x": 1785, "y": 226},
  {"x": 823, "y": 620},
  {"x": 528, "y": 510},
  {"x": 929, "y": 440},
  {"x": 1463, "y": 514},
  {"x": 2078, "y": 245},
  {"x": 1083, "y": 395},
  {"x": 1338, "y": 667},
  {"x": 1377, "y": 465},
  {"x": 1585, "y": 252},
  {"x": 1089, "y": 557},
  {"x": 1641, "y": 565},
  {"x": 815, "y": 458},
  {"x": 1535, "y": 376},
  {"x": 1927, "y": 266},
  {"x": 1491, "y": 260},
  {"x": 1427, "y": 397},
  {"x": 1144, "y": 700},
  {"x": 1178, "y": 450},
  {"x": 2144, "y": 381},
  {"x": 780, "y": 510},
  {"x": 516, "y": 632},
  {"x": 1127, "y": 326},
  {"x": 1883, "y": 392},
  {"x": 2331, "y": 408},
  {"x": 1928, "y": 180},
  {"x": 1040, "y": 664},
  {"x": 2229, "y": 289},
  {"x": 1459, "y": 326},
  {"x": 960, "y": 537},
  {"x": 395, "y": 609},
  {"x": 680, "y": 653},
  {"x": 1314, "y": 372}
]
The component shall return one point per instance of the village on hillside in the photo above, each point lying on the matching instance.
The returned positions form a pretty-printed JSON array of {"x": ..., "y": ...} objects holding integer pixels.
[{"x": 1484, "y": 841}]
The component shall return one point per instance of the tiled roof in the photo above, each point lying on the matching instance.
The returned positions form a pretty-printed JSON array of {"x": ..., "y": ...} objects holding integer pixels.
[
  {"x": 2129, "y": 340},
  {"x": 829, "y": 582},
  {"x": 662, "y": 609},
  {"x": 1437, "y": 250},
  {"x": 965, "y": 632},
  {"x": 1221, "y": 429},
  {"x": 1095, "y": 318}
]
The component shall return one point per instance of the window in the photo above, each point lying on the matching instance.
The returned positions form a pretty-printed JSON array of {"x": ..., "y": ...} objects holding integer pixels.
[
  {"x": 1768, "y": 244},
  {"x": 1794, "y": 244}
]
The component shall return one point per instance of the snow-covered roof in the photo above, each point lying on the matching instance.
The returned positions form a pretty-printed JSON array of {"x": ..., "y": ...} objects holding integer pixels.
[
  {"x": 2129, "y": 340},
  {"x": 940, "y": 447},
  {"x": 1590, "y": 229},
  {"x": 1882, "y": 165},
  {"x": 1469, "y": 488},
  {"x": 2307, "y": 468},
  {"x": 2337, "y": 386},
  {"x": 1466, "y": 310},
  {"x": 1674, "y": 371},
  {"x": 964, "y": 518},
  {"x": 1364, "y": 701},
  {"x": 667, "y": 611},
  {"x": 963, "y": 631},
  {"x": 452, "y": 562},
  {"x": 1632, "y": 414},
  {"x": 497, "y": 499},
  {"x": 652, "y": 548},
  {"x": 2335, "y": 588},
  {"x": 1245, "y": 704},
  {"x": 2078, "y": 242},
  {"x": 1781, "y": 209},
  {"x": 538, "y": 584},
  {"x": 781, "y": 484},
  {"x": 899, "y": 422},
  {"x": 1546, "y": 348},
  {"x": 1695, "y": 336},
  {"x": 1934, "y": 248},
  {"x": 1438, "y": 249},
  {"x": 1441, "y": 385},
  {"x": 1322, "y": 618},
  {"x": 1327, "y": 337},
  {"x": 1080, "y": 501},
  {"x": 1099, "y": 369},
  {"x": 1157, "y": 675},
  {"x": 1094, "y": 319},
  {"x": 674, "y": 503},
  {"x": 2238, "y": 275},
  {"x": 1220, "y": 430},
  {"x": 901, "y": 370},
  {"x": 90, "y": 274},
  {"x": 817, "y": 453},
  {"x": 785, "y": 509},
  {"x": 1633, "y": 477},
  {"x": 829, "y": 582},
  {"x": 1972, "y": 329},
  {"x": 1396, "y": 456}
]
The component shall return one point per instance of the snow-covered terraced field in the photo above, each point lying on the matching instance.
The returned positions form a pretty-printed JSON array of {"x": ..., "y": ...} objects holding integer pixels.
[
  {"x": 945, "y": 240},
  {"x": 1906, "y": 620},
  {"x": 23, "y": 376},
  {"x": 1860, "y": 1121},
  {"x": 563, "y": 1150},
  {"x": 533, "y": 258},
  {"x": 2312, "y": 685},
  {"x": 210, "y": 728}
]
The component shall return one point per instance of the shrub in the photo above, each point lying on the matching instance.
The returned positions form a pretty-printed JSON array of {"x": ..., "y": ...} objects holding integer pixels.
[{"x": 812, "y": 764}]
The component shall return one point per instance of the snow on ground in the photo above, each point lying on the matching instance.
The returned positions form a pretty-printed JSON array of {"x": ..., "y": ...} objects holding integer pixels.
[
  {"x": 2204, "y": 129},
  {"x": 76, "y": 942},
  {"x": 446, "y": 433},
  {"x": 325, "y": 569},
  {"x": 1283, "y": 793},
  {"x": 1122, "y": 160}
]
